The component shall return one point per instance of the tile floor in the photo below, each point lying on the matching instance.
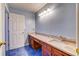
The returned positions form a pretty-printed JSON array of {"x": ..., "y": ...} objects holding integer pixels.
[{"x": 24, "y": 51}]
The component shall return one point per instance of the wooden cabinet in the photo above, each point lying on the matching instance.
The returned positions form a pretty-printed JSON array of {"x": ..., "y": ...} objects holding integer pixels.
[
  {"x": 57, "y": 52},
  {"x": 46, "y": 50}
]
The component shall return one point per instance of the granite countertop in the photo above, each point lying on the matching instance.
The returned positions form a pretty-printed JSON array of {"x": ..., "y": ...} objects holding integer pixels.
[{"x": 67, "y": 47}]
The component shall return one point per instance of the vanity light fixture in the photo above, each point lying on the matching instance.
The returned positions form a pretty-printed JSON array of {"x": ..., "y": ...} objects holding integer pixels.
[{"x": 45, "y": 12}]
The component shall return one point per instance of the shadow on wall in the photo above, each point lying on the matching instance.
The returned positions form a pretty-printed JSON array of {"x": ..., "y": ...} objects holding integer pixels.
[{"x": 26, "y": 41}]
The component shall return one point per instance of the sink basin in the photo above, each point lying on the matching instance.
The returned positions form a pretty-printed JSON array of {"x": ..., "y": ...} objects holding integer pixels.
[
  {"x": 68, "y": 47},
  {"x": 54, "y": 39}
]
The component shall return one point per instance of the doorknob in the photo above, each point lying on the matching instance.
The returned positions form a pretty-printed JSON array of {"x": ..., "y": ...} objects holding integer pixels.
[{"x": 2, "y": 43}]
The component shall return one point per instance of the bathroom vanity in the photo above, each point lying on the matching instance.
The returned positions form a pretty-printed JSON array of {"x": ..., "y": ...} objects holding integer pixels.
[{"x": 52, "y": 46}]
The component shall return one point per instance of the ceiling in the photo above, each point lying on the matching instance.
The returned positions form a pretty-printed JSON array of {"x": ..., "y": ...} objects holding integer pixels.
[{"x": 34, "y": 7}]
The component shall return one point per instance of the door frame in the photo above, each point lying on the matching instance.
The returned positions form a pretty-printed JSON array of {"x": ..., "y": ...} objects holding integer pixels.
[{"x": 6, "y": 28}]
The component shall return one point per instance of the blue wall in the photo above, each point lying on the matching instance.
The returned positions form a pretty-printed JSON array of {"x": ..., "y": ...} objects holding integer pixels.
[{"x": 61, "y": 22}]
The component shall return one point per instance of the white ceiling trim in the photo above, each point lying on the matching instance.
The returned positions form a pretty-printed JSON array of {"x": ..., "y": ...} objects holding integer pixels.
[{"x": 34, "y": 7}]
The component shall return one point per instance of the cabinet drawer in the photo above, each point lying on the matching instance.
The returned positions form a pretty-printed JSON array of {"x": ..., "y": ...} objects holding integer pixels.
[
  {"x": 36, "y": 40},
  {"x": 40, "y": 42}
]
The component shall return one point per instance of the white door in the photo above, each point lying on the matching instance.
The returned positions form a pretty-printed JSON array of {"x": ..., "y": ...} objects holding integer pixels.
[{"x": 16, "y": 30}]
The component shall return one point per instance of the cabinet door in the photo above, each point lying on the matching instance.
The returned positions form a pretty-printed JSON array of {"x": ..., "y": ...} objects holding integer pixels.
[{"x": 46, "y": 50}]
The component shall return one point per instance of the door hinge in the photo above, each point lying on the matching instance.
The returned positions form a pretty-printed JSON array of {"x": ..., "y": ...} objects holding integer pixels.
[{"x": 8, "y": 17}]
